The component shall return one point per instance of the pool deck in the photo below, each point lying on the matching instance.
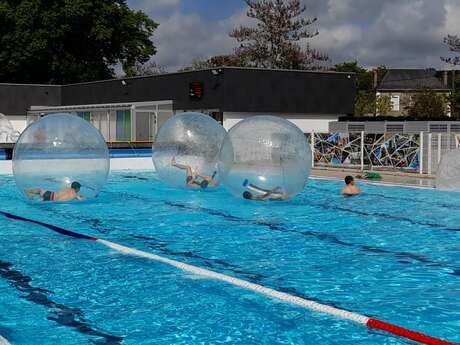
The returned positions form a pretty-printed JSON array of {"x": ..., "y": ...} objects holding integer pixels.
[
  {"x": 135, "y": 163},
  {"x": 388, "y": 177}
]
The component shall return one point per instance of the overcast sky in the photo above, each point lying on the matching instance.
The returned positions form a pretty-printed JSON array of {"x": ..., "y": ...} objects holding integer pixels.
[{"x": 395, "y": 33}]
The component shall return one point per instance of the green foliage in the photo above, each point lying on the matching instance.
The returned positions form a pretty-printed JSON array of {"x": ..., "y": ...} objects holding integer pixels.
[
  {"x": 454, "y": 98},
  {"x": 383, "y": 105},
  {"x": 366, "y": 102},
  {"x": 65, "y": 41},
  {"x": 216, "y": 61},
  {"x": 427, "y": 104},
  {"x": 453, "y": 43},
  {"x": 274, "y": 41},
  {"x": 364, "y": 77},
  {"x": 145, "y": 69}
]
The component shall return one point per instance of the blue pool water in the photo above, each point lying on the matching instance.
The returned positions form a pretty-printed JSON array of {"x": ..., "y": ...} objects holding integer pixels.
[{"x": 391, "y": 253}]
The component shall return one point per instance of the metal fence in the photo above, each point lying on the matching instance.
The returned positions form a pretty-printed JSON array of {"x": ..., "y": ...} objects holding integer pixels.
[
  {"x": 417, "y": 153},
  {"x": 117, "y": 122}
]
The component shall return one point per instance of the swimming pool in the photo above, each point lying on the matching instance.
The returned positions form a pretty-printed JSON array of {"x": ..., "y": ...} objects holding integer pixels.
[{"x": 391, "y": 253}]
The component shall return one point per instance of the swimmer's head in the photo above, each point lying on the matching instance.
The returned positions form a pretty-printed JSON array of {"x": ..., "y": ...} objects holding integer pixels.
[
  {"x": 349, "y": 180},
  {"x": 204, "y": 184},
  {"x": 247, "y": 195},
  {"x": 75, "y": 186}
]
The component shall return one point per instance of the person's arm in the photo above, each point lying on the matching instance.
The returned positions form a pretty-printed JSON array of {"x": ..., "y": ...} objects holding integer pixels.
[
  {"x": 204, "y": 177},
  {"x": 265, "y": 196},
  {"x": 34, "y": 191},
  {"x": 80, "y": 197},
  {"x": 258, "y": 189}
]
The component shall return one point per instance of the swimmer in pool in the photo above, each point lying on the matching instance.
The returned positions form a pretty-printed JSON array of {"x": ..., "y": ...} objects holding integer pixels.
[
  {"x": 257, "y": 193},
  {"x": 194, "y": 180},
  {"x": 350, "y": 188},
  {"x": 66, "y": 194}
]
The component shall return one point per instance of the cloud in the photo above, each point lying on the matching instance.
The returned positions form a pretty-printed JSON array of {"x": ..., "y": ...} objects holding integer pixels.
[
  {"x": 156, "y": 8},
  {"x": 182, "y": 38},
  {"x": 392, "y": 32}
]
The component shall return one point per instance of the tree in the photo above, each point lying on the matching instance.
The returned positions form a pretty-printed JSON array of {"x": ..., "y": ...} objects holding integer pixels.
[
  {"x": 455, "y": 98},
  {"x": 364, "y": 77},
  {"x": 55, "y": 41},
  {"x": 197, "y": 64},
  {"x": 146, "y": 69},
  {"x": 274, "y": 42},
  {"x": 383, "y": 105},
  {"x": 366, "y": 102},
  {"x": 453, "y": 42},
  {"x": 227, "y": 60},
  {"x": 427, "y": 104},
  {"x": 215, "y": 61}
]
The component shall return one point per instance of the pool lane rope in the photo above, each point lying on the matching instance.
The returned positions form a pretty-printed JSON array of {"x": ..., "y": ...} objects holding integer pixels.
[{"x": 282, "y": 296}]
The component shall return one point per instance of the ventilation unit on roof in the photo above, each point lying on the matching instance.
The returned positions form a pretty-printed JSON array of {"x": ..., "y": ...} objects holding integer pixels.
[
  {"x": 355, "y": 127},
  {"x": 438, "y": 127},
  {"x": 455, "y": 127},
  {"x": 394, "y": 128}
]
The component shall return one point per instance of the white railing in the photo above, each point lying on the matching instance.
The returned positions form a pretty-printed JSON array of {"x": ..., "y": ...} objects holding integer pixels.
[{"x": 417, "y": 153}]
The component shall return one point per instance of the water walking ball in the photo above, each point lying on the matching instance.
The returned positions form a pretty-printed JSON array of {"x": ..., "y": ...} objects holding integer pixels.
[
  {"x": 265, "y": 158},
  {"x": 186, "y": 151},
  {"x": 56, "y": 151},
  {"x": 448, "y": 173}
]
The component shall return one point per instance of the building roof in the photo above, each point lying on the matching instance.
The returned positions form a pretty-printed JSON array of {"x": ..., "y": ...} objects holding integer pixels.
[
  {"x": 411, "y": 79},
  {"x": 218, "y": 69},
  {"x": 223, "y": 89}
]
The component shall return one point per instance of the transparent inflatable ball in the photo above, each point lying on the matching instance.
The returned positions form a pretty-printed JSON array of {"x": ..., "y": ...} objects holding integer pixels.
[
  {"x": 448, "y": 173},
  {"x": 186, "y": 150},
  {"x": 60, "y": 157},
  {"x": 265, "y": 158}
]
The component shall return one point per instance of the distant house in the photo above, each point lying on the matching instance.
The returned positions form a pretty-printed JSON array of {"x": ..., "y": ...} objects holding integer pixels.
[{"x": 402, "y": 84}]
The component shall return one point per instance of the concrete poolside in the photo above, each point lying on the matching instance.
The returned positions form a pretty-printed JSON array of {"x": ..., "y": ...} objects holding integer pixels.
[{"x": 388, "y": 177}]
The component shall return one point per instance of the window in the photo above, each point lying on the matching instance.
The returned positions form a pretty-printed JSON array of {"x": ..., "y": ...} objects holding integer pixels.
[
  {"x": 395, "y": 103},
  {"x": 86, "y": 115},
  {"x": 123, "y": 125}
]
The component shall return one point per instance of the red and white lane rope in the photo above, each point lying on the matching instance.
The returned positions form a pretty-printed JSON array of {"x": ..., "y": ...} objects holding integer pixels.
[{"x": 302, "y": 302}]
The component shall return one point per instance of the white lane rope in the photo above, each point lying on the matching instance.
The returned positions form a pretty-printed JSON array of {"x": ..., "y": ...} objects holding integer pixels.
[
  {"x": 282, "y": 296},
  {"x": 302, "y": 302},
  {"x": 311, "y": 305}
]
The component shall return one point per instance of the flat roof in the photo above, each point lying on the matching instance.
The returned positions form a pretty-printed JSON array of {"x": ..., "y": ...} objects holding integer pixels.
[
  {"x": 35, "y": 110},
  {"x": 211, "y": 69},
  {"x": 22, "y": 84}
]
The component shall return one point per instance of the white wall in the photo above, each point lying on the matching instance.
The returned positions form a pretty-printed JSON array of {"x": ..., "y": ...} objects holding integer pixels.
[
  {"x": 19, "y": 123},
  {"x": 306, "y": 122},
  {"x": 138, "y": 163}
]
